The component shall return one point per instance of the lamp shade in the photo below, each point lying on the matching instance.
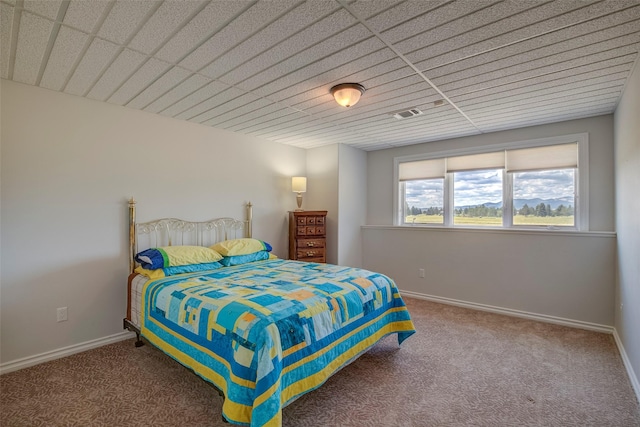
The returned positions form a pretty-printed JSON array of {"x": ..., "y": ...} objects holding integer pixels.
[
  {"x": 347, "y": 94},
  {"x": 299, "y": 184}
]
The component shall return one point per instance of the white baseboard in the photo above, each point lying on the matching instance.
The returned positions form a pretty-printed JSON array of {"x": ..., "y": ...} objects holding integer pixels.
[
  {"x": 627, "y": 364},
  {"x": 511, "y": 312},
  {"x": 25, "y": 362}
]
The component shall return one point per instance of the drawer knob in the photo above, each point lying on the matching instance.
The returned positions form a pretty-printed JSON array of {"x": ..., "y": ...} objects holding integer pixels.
[
  {"x": 310, "y": 244},
  {"x": 309, "y": 253}
]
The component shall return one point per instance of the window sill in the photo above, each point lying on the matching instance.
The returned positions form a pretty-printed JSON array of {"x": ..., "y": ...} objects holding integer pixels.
[{"x": 525, "y": 231}]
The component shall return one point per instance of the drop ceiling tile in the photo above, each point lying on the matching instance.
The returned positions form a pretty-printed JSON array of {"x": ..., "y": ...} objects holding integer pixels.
[
  {"x": 325, "y": 49},
  {"x": 168, "y": 81},
  {"x": 276, "y": 123},
  {"x": 435, "y": 18},
  {"x": 537, "y": 109},
  {"x": 46, "y": 8},
  {"x": 291, "y": 125},
  {"x": 317, "y": 33},
  {"x": 419, "y": 127},
  {"x": 385, "y": 76},
  {"x": 391, "y": 103},
  {"x": 66, "y": 49},
  {"x": 385, "y": 122},
  {"x": 457, "y": 133},
  {"x": 502, "y": 33},
  {"x": 381, "y": 73},
  {"x": 33, "y": 37},
  {"x": 250, "y": 119},
  {"x": 523, "y": 72},
  {"x": 542, "y": 89},
  {"x": 190, "y": 85},
  {"x": 139, "y": 81},
  {"x": 309, "y": 130},
  {"x": 95, "y": 60},
  {"x": 255, "y": 117},
  {"x": 543, "y": 100},
  {"x": 219, "y": 116},
  {"x": 206, "y": 23},
  {"x": 337, "y": 59},
  {"x": 6, "y": 24},
  {"x": 595, "y": 30},
  {"x": 498, "y": 19},
  {"x": 320, "y": 84},
  {"x": 264, "y": 116},
  {"x": 235, "y": 100},
  {"x": 84, "y": 15},
  {"x": 286, "y": 26},
  {"x": 549, "y": 55},
  {"x": 556, "y": 114},
  {"x": 218, "y": 99},
  {"x": 382, "y": 14},
  {"x": 252, "y": 20},
  {"x": 124, "y": 65},
  {"x": 597, "y": 69},
  {"x": 195, "y": 98},
  {"x": 124, "y": 18},
  {"x": 164, "y": 22}
]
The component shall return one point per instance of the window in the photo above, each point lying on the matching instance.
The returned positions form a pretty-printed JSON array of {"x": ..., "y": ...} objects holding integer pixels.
[{"x": 530, "y": 184}]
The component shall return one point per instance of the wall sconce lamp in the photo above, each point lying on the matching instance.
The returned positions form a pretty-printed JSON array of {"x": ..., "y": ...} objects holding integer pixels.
[
  {"x": 299, "y": 185},
  {"x": 347, "y": 94}
]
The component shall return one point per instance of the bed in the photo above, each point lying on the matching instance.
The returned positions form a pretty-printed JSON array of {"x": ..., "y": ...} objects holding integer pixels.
[{"x": 262, "y": 330}]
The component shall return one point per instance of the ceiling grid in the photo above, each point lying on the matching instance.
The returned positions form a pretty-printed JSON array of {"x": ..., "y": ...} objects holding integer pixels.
[{"x": 265, "y": 67}]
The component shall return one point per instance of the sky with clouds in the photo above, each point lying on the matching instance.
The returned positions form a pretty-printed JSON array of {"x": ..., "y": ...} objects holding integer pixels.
[{"x": 478, "y": 187}]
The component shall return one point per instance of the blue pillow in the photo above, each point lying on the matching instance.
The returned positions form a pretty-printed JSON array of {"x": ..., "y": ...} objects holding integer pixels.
[
  {"x": 228, "y": 261},
  {"x": 159, "y": 273}
]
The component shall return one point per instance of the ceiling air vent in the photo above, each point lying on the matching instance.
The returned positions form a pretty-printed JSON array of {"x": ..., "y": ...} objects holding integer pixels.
[{"x": 401, "y": 115}]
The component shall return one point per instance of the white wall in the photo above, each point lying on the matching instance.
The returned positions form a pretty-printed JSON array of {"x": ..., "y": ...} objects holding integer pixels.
[
  {"x": 68, "y": 166},
  {"x": 322, "y": 192},
  {"x": 569, "y": 276},
  {"x": 627, "y": 160},
  {"x": 337, "y": 182},
  {"x": 352, "y": 183}
]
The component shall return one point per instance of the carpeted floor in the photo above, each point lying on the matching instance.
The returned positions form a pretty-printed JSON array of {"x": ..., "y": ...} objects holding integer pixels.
[{"x": 462, "y": 368}]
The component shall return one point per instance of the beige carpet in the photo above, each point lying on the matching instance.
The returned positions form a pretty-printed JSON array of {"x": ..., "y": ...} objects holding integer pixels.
[{"x": 462, "y": 368}]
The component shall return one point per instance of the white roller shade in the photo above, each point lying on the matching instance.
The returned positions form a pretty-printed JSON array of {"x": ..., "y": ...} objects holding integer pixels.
[
  {"x": 562, "y": 156},
  {"x": 494, "y": 160},
  {"x": 422, "y": 169}
]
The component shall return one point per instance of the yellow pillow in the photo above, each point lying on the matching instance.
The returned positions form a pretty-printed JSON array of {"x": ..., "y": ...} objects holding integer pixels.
[
  {"x": 151, "y": 274},
  {"x": 245, "y": 246}
]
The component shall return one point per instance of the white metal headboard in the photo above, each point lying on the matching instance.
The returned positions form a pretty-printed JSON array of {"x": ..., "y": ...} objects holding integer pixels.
[{"x": 179, "y": 232}]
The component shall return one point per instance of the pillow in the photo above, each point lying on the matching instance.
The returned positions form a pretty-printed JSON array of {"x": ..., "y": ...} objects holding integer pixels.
[
  {"x": 243, "y": 259},
  {"x": 241, "y": 247},
  {"x": 174, "y": 256},
  {"x": 159, "y": 273}
]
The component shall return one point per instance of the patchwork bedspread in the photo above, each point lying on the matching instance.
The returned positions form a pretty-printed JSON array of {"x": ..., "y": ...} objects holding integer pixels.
[{"x": 267, "y": 332}]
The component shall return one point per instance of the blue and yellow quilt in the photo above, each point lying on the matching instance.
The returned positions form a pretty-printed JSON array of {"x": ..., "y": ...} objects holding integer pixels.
[{"x": 267, "y": 332}]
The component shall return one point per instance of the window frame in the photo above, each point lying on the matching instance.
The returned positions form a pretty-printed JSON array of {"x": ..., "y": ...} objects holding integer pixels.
[{"x": 581, "y": 182}]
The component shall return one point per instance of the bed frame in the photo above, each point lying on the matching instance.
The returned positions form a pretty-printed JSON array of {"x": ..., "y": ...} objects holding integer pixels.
[{"x": 177, "y": 232}]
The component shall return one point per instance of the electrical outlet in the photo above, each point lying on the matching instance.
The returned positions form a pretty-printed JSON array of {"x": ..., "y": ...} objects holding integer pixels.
[
  {"x": 62, "y": 314},
  {"x": 421, "y": 273}
]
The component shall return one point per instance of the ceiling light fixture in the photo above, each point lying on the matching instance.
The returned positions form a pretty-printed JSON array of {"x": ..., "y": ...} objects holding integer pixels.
[{"x": 347, "y": 94}]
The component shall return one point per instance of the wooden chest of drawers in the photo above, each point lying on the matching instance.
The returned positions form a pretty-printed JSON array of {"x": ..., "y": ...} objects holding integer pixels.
[{"x": 308, "y": 236}]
